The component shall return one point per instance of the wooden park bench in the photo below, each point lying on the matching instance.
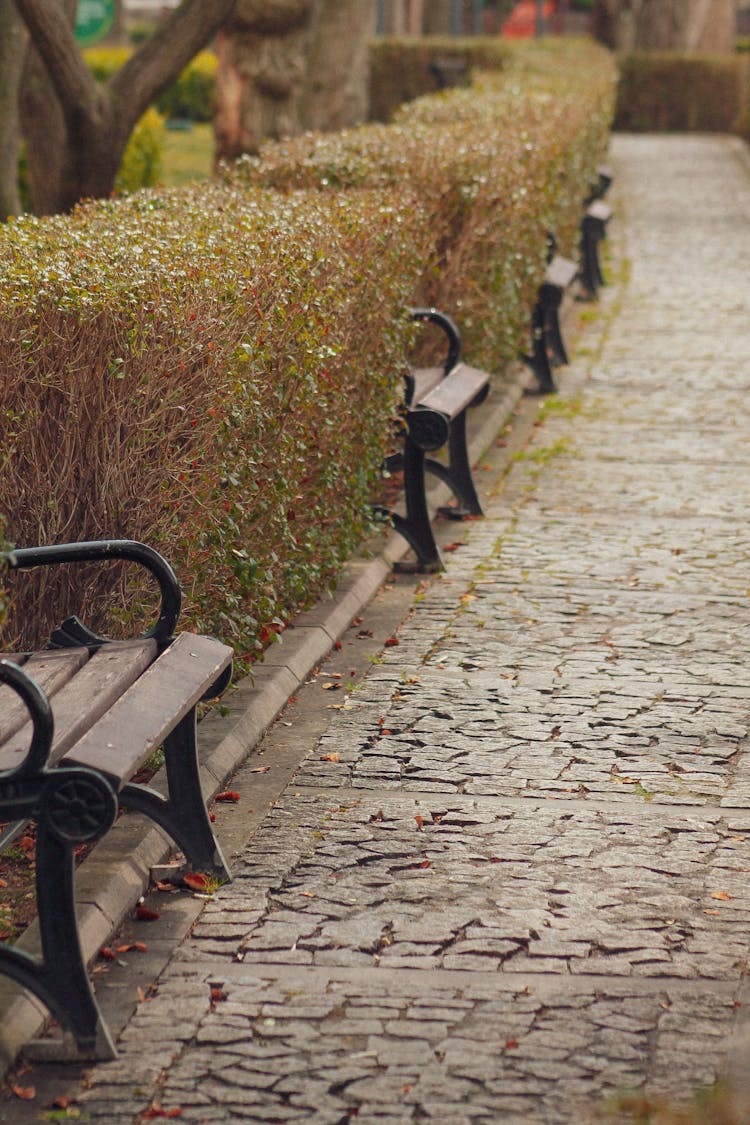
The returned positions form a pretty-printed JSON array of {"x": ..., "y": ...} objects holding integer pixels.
[
  {"x": 78, "y": 720},
  {"x": 596, "y": 218},
  {"x": 547, "y": 344},
  {"x": 436, "y": 403}
]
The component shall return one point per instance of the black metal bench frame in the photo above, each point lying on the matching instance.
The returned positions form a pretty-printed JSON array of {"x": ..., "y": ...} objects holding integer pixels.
[
  {"x": 436, "y": 404},
  {"x": 548, "y": 348},
  {"x": 73, "y": 801}
]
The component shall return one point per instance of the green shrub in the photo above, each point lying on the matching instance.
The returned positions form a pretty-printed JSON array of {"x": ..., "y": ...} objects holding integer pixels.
[
  {"x": 142, "y": 160},
  {"x": 672, "y": 91},
  {"x": 191, "y": 96},
  {"x": 212, "y": 370}
]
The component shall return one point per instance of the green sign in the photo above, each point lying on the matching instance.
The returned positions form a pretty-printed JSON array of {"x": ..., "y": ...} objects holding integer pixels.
[{"x": 94, "y": 20}]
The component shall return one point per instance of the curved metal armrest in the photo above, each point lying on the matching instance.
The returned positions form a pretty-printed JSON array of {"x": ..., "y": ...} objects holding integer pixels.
[
  {"x": 39, "y": 711},
  {"x": 73, "y": 631},
  {"x": 449, "y": 327}
]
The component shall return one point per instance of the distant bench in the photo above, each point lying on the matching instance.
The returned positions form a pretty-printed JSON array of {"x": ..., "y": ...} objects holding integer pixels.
[
  {"x": 77, "y": 722},
  {"x": 563, "y": 276},
  {"x": 436, "y": 403}
]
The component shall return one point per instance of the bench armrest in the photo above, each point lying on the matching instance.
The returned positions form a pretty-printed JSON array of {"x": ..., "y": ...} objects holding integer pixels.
[
  {"x": 73, "y": 631},
  {"x": 448, "y": 326},
  {"x": 39, "y": 712}
]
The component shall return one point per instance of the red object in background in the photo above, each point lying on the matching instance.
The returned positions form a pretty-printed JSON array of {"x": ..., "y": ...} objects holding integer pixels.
[{"x": 521, "y": 23}]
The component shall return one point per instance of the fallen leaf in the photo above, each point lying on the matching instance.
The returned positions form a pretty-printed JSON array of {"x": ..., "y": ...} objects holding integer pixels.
[
  {"x": 337, "y": 645},
  {"x": 392, "y": 642},
  {"x": 107, "y": 954},
  {"x": 723, "y": 896},
  {"x": 217, "y": 995},
  {"x": 227, "y": 795},
  {"x": 420, "y": 822},
  {"x": 62, "y": 1102},
  {"x": 196, "y": 880},
  {"x": 452, "y": 546},
  {"x": 385, "y": 730},
  {"x": 511, "y": 1044},
  {"x": 712, "y": 912},
  {"x": 146, "y": 914},
  {"x": 329, "y": 757},
  {"x": 260, "y": 769},
  {"x": 331, "y": 686},
  {"x": 25, "y": 1093}
]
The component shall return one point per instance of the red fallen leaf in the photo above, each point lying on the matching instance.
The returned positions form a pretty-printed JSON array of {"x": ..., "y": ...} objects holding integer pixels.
[
  {"x": 212, "y": 817},
  {"x": 158, "y": 1111},
  {"x": 385, "y": 730},
  {"x": 107, "y": 954},
  {"x": 146, "y": 914},
  {"x": 392, "y": 641},
  {"x": 25, "y": 1093},
  {"x": 227, "y": 795},
  {"x": 3, "y": 883},
  {"x": 217, "y": 995},
  {"x": 62, "y": 1102},
  {"x": 424, "y": 863},
  {"x": 452, "y": 546},
  {"x": 420, "y": 821},
  {"x": 338, "y": 646},
  {"x": 496, "y": 859},
  {"x": 196, "y": 880},
  {"x": 511, "y": 1044},
  {"x": 405, "y": 1089}
]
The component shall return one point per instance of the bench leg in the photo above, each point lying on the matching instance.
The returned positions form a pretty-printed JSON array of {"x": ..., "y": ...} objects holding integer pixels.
[
  {"x": 183, "y": 814},
  {"x": 554, "y": 338},
  {"x": 539, "y": 361},
  {"x": 457, "y": 473},
  {"x": 59, "y": 978},
  {"x": 415, "y": 526},
  {"x": 591, "y": 271}
]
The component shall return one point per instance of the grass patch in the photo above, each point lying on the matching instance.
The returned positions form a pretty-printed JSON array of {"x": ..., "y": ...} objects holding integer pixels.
[{"x": 188, "y": 155}]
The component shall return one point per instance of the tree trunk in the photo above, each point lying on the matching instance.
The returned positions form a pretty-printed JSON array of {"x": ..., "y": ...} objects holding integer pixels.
[
  {"x": 437, "y": 17},
  {"x": 261, "y": 74},
  {"x": 290, "y": 65},
  {"x": 690, "y": 25},
  {"x": 336, "y": 87},
  {"x": 76, "y": 129},
  {"x": 13, "y": 40}
]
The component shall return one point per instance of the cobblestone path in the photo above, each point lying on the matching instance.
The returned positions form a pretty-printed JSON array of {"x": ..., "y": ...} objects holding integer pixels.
[{"x": 511, "y": 880}]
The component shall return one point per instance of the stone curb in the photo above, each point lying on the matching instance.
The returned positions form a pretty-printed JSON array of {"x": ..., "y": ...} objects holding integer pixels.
[{"x": 111, "y": 880}]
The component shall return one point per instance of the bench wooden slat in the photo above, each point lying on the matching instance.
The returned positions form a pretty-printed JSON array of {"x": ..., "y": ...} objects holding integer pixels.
[
  {"x": 137, "y": 723},
  {"x": 85, "y": 697},
  {"x": 51, "y": 670},
  {"x": 600, "y": 211},
  {"x": 422, "y": 381},
  {"x": 561, "y": 272},
  {"x": 459, "y": 387}
]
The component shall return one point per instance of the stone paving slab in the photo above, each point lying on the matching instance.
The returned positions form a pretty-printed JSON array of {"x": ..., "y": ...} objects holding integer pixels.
[{"x": 329, "y": 1046}]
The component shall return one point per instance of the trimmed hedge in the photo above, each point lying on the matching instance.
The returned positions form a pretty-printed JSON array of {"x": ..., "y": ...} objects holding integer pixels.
[
  {"x": 494, "y": 167},
  {"x": 215, "y": 369},
  {"x": 674, "y": 91},
  {"x": 402, "y": 68}
]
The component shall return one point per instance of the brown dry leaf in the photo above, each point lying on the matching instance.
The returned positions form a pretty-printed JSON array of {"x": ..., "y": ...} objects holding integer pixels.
[
  {"x": 420, "y": 822},
  {"x": 331, "y": 686},
  {"x": 146, "y": 914},
  {"x": 260, "y": 769},
  {"x": 723, "y": 896},
  {"x": 329, "y": 757},
  {"x": 25, "y": 1093}
]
